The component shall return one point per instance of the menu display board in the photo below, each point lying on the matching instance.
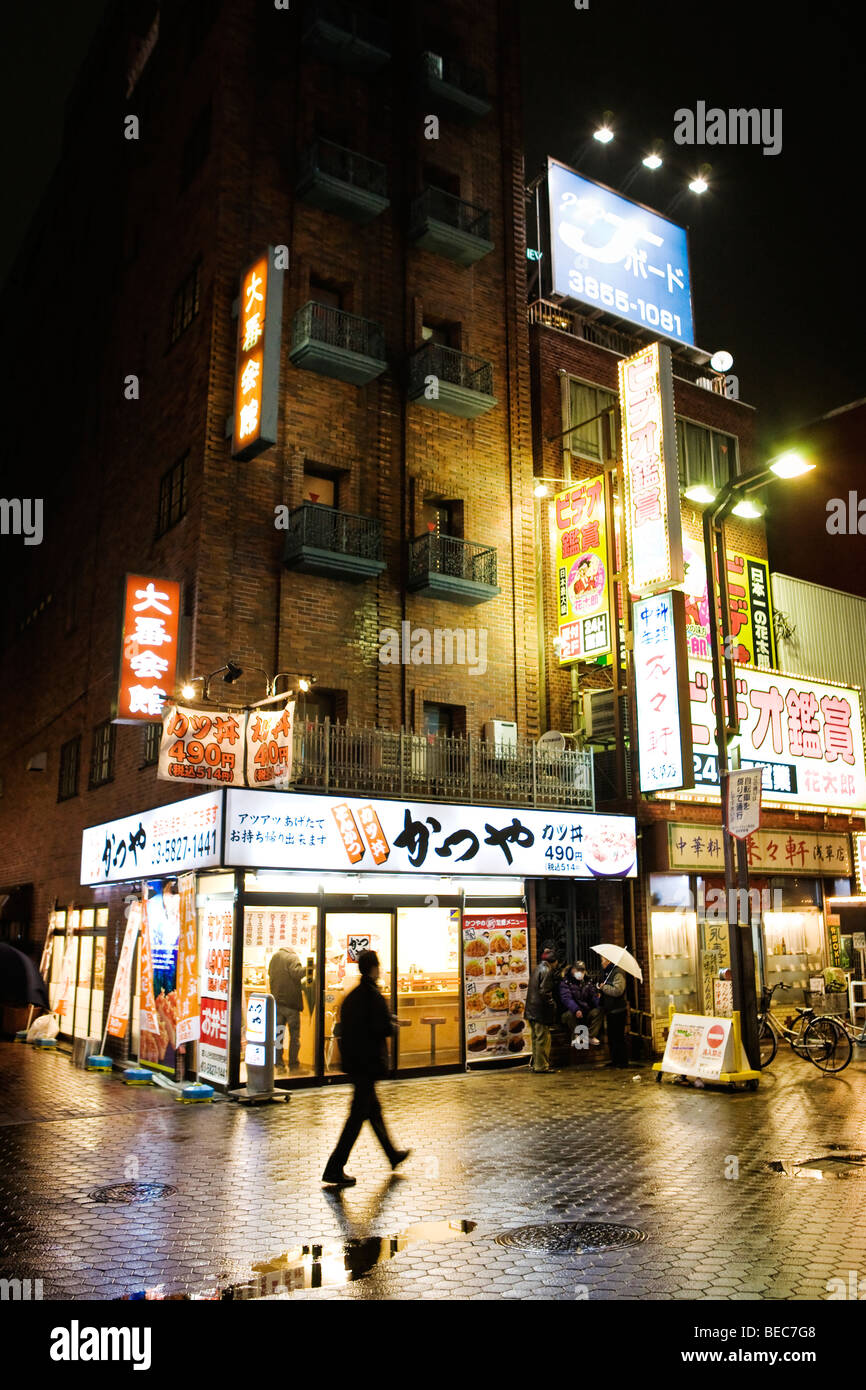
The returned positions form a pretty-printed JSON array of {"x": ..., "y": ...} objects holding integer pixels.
[
  {"x": 215, "y": 961},
  {"x": 699, "y": 1046},
  {"x": 495, "y": 981}
]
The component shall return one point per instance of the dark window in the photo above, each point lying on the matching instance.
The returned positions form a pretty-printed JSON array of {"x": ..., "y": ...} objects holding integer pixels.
[
  {"x": 152, "y": 739},
  {"x": 318, "y": 705},
  {"x": 102, "y": 754},
  {"x": 443, "y": 518},
  {"x": 186, "y": 302},
  {"x": 324, "y": 292},
  {"x": 434, "y": 176},
  {"x": 173, "y": 495},
  {"x": 196, "y": 147},
  {"x": 446, "y": 334},
  {"x": 444, "y": 719},
  {"x": 70, "y": 761}
]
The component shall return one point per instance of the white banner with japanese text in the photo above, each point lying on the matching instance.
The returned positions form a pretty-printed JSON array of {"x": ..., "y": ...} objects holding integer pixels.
[{"x": 227, "y": 748}]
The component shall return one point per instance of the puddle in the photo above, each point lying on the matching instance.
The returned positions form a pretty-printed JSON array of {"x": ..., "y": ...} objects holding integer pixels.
[
  {"x": 333, "y": 1263},
  {"x": 817, "y": 1169}
]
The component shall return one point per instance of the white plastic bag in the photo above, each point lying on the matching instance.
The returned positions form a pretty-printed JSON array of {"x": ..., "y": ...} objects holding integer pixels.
[{"x": 45, "y": 1027}]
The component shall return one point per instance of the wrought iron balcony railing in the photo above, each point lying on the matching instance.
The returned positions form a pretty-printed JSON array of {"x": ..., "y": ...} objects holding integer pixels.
[
  {"x": 435, "y": 554},
  {"x": 450, "y": 367},
  {"x": 340, "y": 533},
  {"x": 324, "y": 156},
  {"x": 321, "y": 323},
  {"x": 334, "y": 757},
  {"x": 440, "y": 68},
  {"x": 445, "y": 207}
]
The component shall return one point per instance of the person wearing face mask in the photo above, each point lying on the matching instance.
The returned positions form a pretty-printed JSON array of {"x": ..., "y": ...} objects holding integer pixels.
[{"x": 580, "y": 1001}]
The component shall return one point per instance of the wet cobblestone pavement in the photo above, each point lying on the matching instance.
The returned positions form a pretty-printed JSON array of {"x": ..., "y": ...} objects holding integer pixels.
[{"x": 502, "y": 1151}]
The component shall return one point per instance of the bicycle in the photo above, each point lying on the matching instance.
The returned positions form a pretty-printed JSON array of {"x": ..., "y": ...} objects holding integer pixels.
[
  {"x": 770, "y": 1030},
  {"x": 831, "y": 1042}
]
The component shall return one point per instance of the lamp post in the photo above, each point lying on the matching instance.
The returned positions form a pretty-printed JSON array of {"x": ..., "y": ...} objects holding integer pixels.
[{"x": 734, "y": 498}]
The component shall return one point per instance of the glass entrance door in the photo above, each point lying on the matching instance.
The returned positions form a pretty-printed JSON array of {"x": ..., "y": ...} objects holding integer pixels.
[
  {"x": 428, "y": 986},
  {"x": 347, "y": 934}
]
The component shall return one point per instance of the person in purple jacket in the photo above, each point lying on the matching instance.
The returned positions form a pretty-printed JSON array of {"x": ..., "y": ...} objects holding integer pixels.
[{"x": 580, "y": 1001}]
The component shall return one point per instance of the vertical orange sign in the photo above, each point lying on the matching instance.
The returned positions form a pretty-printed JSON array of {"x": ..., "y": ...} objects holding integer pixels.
[
  {"x": 147, "y": 1019},
  {"x": 257, "y": 363},
  {"x": 653, "y": 522},
  {"x": 148, "y": 648},
  {"x": 187, "y": 963}
]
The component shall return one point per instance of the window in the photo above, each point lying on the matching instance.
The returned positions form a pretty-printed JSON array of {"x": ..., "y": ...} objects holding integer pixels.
[
  {"x": 102, "y": 754},
  {"x": 172, "y": 496},
  {"x": 434, "y": 176},
  {"x": 320, "y": 488},
  {"x": 70, "y": 760},
  {"x": 705, "y": 455},
  {"x": 583, "y": 403},
  {"x": 445, "y": 334},
  {"x": 318, "y": 705},
  {"x": 444, "y": 719},
  {"x": 196, "y": 147},
  {"x": 325, "y": 293},
  {"x": 152, "y": 740},
  {"x": 443, "y": 518},
  {"x": 186, "y": 302}
]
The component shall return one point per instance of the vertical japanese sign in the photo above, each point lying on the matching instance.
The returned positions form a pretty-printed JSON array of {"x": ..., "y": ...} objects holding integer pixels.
[
  {"x": 860, "y": 861},
  {"x": 257, "y": 368},
  {"x": 187, "y": 1028},
  {"x": 148, "y": 648},
  {"x": 653, "y": 522},
  {"x": 206, "y": 746},
  {"x": 744, "y": 802},
  {"x": 118, "y": 1009},
  {"x": 269, "y": 747},
  {"x": 582, "y": 581},
  {"x": 661, "y": 684},
  {"x": 67, "y": 977},
  {"x": 750, "y": 614},
  {"x": 215, "y": 967},
  {"x": 495, "y": 981}
]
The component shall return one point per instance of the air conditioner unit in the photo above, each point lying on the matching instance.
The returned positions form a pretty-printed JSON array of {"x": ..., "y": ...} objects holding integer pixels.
[
  {"x": 598, "y": 715},
  {"x": 502, "y": 733}
]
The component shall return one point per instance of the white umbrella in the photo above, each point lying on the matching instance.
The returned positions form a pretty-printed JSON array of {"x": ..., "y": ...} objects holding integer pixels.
[{"x": 619, "y": 956}]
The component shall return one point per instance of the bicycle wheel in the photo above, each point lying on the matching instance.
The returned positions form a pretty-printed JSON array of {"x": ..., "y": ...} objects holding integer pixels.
[
  {"x": 797, "y": 1032},
  {"x": 827, "y": 1045},
  {"x": 767, "y": 1043}
]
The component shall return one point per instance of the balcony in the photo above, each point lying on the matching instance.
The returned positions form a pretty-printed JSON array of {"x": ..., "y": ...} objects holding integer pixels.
[
  {"x": 343, "y": 182},
  {"x": 448, "y": 227},
  {"x": 445, "y": 379},
  {"x": 337, "y": 344},
  {"x": 381, "y": 762},
  {"x": 457, "y": 90},
  {"x": 338, "y": 545},
  {"x": 343, "y": 34},
  {"x": 446, "y": 567}
]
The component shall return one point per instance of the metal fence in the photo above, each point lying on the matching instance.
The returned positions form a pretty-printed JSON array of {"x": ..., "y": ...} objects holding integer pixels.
[
  {"x": 321, "y": 323},
  {"x": 324, "y": 528},
  {"x": 350, "y": 19},
  {"x": 346, "y": 165},
  {"x": 451, "y": 366},
  {"x": 446, "y": 207},
  {"x": 434, "y": 553},
  {"x": 335, "y": 757}
]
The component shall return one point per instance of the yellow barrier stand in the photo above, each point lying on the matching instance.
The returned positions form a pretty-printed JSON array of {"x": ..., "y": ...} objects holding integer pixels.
[{"x": 745, "y": 1076}]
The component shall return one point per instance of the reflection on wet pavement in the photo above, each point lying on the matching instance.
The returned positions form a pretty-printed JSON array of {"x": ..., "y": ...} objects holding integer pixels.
[{"x": 831, "y": 1166}]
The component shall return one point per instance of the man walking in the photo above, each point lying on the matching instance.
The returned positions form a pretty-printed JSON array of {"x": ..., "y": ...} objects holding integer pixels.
[
  {"x": 541, "y": 1010},
  {"x": 365, "y": 1026},
  {"x": 284, "y": 979}
]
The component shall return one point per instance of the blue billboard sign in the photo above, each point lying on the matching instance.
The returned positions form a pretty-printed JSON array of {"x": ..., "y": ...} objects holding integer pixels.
[{"x": 612, "y": 254}]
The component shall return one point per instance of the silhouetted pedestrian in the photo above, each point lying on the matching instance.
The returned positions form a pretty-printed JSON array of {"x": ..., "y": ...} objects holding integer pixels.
[
  {"x": 285, "y": 973},
  {"x": 541, "y": 1009},
  {"x": 365, "y": 1026},
  {"x": 614, "y": 1003}
]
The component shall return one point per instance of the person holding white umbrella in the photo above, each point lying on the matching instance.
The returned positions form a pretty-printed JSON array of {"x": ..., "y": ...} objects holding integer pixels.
[{"x": 614, "y": 961}]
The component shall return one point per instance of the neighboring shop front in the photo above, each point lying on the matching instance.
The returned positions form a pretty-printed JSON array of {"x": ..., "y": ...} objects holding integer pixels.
[
  {"x": 796, "y": 878},
  {"x": 443, "y": 893}
]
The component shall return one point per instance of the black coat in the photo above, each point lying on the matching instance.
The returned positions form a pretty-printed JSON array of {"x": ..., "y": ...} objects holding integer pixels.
[
  {"x": 540, "y": 1001},
  {"x": 285, "y": 973},
  {"x": 365, "y": 1027}
]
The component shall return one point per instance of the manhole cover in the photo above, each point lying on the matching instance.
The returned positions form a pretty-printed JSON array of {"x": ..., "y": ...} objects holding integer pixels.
[
  {"x": 830, "y": 1166},
  {"x": 132, "y": 1192},
  {"x": 571, "y": 1237}
]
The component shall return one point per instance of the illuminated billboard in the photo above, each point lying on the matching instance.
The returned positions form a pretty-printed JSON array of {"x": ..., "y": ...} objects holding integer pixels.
[
  {"x": 148, "y": 648},
  {"x": 582, "y": 582},
  {"x": 257, "y": 368},
  {"x": 612, "y": 254},
  {"x": 653, "y": 520},
  {"x": 662, "y": 692}
]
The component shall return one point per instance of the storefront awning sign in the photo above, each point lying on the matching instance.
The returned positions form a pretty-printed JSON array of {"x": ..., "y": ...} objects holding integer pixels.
[
  {"x": 355, "y": 834},
  {"x": 165, "y": 840},
  {"x": 700, "y": 849}
]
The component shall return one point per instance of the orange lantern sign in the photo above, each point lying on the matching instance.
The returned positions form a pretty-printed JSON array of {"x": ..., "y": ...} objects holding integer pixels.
[{"x": 257, "y": 373}]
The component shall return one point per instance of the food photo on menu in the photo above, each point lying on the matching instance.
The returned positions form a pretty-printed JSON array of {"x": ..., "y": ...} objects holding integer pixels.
[{"x": 496, "y": 978}]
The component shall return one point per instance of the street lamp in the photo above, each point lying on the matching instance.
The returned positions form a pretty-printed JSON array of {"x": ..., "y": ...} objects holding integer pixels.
[{"x": 734, "y": 498}]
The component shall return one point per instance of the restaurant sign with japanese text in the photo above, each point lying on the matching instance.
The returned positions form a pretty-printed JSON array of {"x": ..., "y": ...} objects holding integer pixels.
[
  {"x": 148, "y": 648},
  {"x": 661, "y": 684},
  {"x": 700, "y": 849},
  {"x": 582, "y": 582},
  {"x": 653, "y": 520},
  {"x": 233, "y": 748},
  {"x": 184, "y": 835},
  {"x": 257, "y": 369},
  {"x": 806, "y": 735},
  {"x": 357, "y": 834}
]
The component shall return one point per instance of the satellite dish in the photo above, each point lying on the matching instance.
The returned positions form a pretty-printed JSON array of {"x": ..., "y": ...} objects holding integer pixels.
[
  {"x": 552, "y": 742},
  {"x": 721, "y": 361}
]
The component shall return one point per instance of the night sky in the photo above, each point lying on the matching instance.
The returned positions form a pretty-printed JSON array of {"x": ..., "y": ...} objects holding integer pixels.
[{"x": 776, "y": 245}]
